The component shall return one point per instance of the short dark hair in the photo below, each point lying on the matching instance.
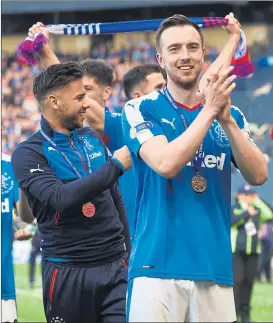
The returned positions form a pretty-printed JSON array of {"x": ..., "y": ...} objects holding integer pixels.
[
  {"x": 100, "y": 70},
  {"x": 137, "y": 75},
  {"x": 176, "y": 20},
  {"x": 56, "y": 77}
]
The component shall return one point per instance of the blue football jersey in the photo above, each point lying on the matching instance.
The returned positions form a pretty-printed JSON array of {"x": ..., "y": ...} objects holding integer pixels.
[
  {"x": 9, "y": 197},
  {"x": 127, "y": 186},
  {"x": 180, "y": 234}
]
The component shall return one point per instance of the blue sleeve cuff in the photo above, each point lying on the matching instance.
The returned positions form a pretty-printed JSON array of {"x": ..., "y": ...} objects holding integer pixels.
[{"x": 120, "y": 164}]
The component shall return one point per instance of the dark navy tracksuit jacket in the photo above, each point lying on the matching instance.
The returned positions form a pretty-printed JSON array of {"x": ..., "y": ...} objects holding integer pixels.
[{"x": 56, "y": 195}]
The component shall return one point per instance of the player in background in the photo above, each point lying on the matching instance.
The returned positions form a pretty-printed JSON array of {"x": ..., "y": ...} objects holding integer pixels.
[
  {"x": 181, "y": 260},
  {"x": 9, "y": 202},
  {"x": 137, "y": 82},
  {"x": 249, "y": 214}
]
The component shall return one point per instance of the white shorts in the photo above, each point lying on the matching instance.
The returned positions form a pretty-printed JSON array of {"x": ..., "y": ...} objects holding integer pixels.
[
  {"x": 9, "y": 312},
  {"x": 172, "y": 300}
]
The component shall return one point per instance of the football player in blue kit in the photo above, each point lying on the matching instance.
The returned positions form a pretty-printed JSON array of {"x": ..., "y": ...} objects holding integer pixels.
[
  {"x": 138, "y": 81},
  {"x": 181, "y": 261},
  {"x": 9, "y": 202},
  {"x": 10, "y": 199}
]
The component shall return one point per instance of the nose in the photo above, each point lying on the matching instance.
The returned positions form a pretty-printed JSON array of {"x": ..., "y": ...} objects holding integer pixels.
[
  {"x": 86, "y": 104},
  {"x": 184, "y": 54}
]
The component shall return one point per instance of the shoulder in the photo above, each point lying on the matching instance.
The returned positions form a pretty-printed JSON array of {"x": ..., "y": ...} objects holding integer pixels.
[
  {"x": 239, "y": 117},
  {"x": 35, "y": 140},
  {"x": 111, "y": 118},
  {"x": 146, "y": 100},
  {"x": 236, "y": 111},
  {"x": 110, "y": 114},
  {"x": 6, "y": 157},
  {"x": 31, "y": 148}
]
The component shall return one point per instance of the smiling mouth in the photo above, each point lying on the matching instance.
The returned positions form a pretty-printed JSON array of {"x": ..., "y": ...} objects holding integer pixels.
[
  {"x": 185, "y": 68},
  {"x": 82, "y": 114}
]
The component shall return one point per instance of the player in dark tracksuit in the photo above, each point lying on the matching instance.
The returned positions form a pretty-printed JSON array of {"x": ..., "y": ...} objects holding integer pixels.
[{"x": 70, "y": 183}]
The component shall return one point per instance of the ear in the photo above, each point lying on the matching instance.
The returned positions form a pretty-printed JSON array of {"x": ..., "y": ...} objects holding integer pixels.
[
  {"x": 203, "y": 58},
  {"x": 136, "y": 95},
  {"x": 160, "y": 60},
  {"x": 107, "y": 93},
  {"x": 54, "y": 102}
]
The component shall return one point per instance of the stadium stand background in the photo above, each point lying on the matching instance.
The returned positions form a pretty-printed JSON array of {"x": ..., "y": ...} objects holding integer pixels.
[{"x": 254, "y": 96}]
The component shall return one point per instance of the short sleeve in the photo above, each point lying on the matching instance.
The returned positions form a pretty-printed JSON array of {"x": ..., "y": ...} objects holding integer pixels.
[
  {"x": 139, "y": 124},
  {"x": 241, "y": 121}
]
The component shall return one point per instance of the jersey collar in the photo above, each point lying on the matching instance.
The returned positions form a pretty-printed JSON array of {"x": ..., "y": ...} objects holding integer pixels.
[
  {"x": 58, "y": 137},
  {"x": 183, "y": 106}
]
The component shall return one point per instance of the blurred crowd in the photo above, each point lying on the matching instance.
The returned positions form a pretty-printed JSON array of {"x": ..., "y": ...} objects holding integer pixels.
[{"x": 20, "y": 113}]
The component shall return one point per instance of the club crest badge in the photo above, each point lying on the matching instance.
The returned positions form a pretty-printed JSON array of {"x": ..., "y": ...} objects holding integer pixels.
[
  {"x": 6, "y": 183},
  {"x": 218, "y": 135}
]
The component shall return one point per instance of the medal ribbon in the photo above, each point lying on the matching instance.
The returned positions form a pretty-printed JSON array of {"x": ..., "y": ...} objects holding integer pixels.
[
  {"x": 65, "y": 156},
  {"x": 198, "y": 159}
]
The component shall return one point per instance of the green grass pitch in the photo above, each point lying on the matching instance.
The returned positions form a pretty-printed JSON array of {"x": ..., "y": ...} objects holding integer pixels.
[{"x": 30, "y": 302}]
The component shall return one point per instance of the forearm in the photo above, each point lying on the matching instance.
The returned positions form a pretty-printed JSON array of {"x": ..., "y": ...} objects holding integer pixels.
[
  {"x": 225, "y": 57},
  {"x": 248, "y": 157},
  {"x": 81, "y": 191},
  {"x": 51, "y": 191},
  {"x": 48, "y": 56},
  {"x": 223, "y": 60},
  {"x": 180, "y": 151}
]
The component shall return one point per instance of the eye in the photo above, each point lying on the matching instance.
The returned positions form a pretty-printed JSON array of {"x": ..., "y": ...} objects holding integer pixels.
[
  {"x": 159, "y": 86},
  {"x": 172, "y": 49},
  {"x": 79, "y": 99},
  {"x": 193, "y": 47}
]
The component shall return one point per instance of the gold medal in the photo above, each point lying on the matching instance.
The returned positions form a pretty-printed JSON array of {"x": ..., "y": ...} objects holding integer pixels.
[{"x": 199, "y": 183}]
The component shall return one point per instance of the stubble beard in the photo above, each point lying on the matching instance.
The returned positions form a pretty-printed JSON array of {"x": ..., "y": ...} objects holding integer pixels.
[
  {"x": 70, "y": 122},
  {"x": 185, "y": 85}
]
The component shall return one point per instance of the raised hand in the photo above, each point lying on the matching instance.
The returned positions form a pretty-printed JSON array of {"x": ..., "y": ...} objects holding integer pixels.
[
  {"x": 233, "y": 27},
  {"x": 38, "y": 27},
  {"x": 218, "y": 91}
]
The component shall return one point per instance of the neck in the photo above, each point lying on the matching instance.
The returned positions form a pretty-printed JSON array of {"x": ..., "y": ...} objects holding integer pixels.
[
  {"x": 184, "y": 96},
  {"x": 55, "y": 124}
]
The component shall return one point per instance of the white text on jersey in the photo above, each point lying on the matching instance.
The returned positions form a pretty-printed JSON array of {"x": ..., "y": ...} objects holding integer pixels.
[{"x": 211, "y": 161}]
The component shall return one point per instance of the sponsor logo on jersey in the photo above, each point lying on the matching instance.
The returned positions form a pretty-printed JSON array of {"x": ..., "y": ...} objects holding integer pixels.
[
  {"x": 211, "y": 161},
  {"x": 51, "y": 148},
  {"x": 5, "y": 208},
  {"x": 169, "y": 122},
  {"x": 95, "y": 155},
  {"x": 33, "y": 170}
]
